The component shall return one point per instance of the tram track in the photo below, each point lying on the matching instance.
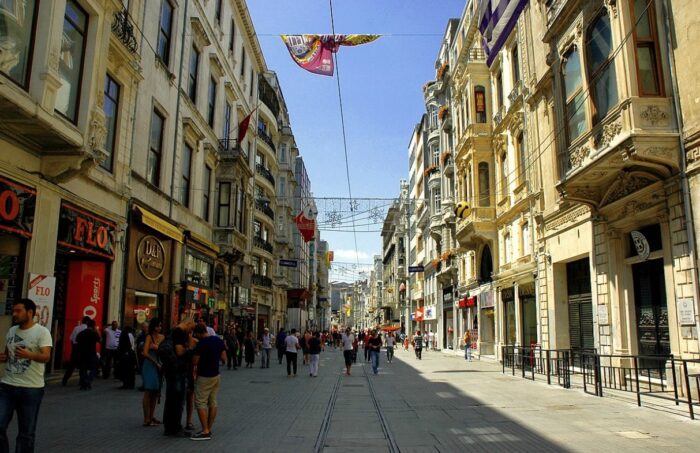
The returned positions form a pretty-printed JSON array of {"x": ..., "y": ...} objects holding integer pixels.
[{"x": 322, "y": 437}]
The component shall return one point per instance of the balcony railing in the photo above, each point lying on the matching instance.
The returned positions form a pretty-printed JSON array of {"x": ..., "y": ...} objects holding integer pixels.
[
  {"x": 267, "y": 139},
  {"x": 261, "y": 280},
  {"x": 229, "y": 149},
  {"x": 263, "y": 244},
  {"x": 265, "y": 173},
  {"x": 264, "y": 207},
  {"x": 124, "y": 30}
]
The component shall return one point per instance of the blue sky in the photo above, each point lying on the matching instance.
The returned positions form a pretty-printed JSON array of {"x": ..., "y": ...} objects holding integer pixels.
[{"x": 382, "y": 99}]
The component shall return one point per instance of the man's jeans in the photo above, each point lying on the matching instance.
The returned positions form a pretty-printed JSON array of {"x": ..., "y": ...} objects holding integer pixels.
[
  {"x": 265, "y": 358},
  {"x": 468, "y": 352},
  {"x": 389, "y": 353},
  {"x": 374, "y": 357},
  {"x": 26, "y": 401},
  {"x": 280, "y": 355},
  {"x": 291, "y": 362},
  {"x": 175, "y": 391}
]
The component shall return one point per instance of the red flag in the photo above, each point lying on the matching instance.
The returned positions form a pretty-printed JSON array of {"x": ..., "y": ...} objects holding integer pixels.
[
  {"x": 307, "y": 227},
  {"x": 243, "y": 127}
]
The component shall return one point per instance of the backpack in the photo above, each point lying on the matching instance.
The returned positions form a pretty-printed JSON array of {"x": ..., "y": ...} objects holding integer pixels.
[{"x": 167, "y": 356}]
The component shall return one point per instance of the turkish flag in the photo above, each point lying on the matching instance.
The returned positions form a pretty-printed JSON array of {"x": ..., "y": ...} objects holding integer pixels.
[
  {"x": 243, "y": 127},
  {"x": 307, "y": 227}
]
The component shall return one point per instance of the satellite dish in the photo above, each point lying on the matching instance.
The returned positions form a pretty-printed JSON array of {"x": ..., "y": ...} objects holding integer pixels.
[{"x": 462, "y": 210}]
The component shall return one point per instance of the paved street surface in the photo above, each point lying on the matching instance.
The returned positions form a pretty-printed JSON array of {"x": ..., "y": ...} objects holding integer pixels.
[{"x": 439, "y": 404}]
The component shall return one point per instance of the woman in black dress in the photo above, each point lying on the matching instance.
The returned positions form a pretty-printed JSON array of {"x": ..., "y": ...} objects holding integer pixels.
[{"x": 249, "y": 345}]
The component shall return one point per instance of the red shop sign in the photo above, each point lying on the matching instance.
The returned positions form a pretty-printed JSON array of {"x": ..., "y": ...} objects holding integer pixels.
[
  {"x": 17, "y": 204},
  {"x": 85, "y": 296},
  {"x": 467, "y": 302},
  {"x": 85, "y": 232}
]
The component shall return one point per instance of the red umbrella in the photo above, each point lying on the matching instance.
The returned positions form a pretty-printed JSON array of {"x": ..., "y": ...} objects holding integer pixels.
[{"x": 390, "y": 328}]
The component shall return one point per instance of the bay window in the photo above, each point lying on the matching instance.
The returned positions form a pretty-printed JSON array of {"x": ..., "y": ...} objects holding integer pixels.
[
  {"x": 575, "y": 110},
  {"x": 647, "y": 47},
  {"x": 601, "y": 67},
  {"x": 71, "y": 58},
  {"x": 17, "y": 29}
]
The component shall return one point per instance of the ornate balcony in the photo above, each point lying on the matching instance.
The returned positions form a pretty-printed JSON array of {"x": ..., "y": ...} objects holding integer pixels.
[
  {"x": 232, "y": 154},
  {"x": 261, "y": 280},
  {"x": 264, "y": 207},
  {"x": 265, "y": 173},
  {"x": 124, "y": 30},
  {"x": 263, "y": 244},
  {"x": 478, "y": 226},
  {"x": 267, "y": 140}
]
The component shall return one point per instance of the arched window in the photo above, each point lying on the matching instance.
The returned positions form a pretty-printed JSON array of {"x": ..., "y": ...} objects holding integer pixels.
[
  {"x": 480, "y": 103},
  {"x": 601, "y": 67},
  {"x": 486, "y": 265},
  {"x": 484, "y": 190},
  {"x": 573, "y": 88}
]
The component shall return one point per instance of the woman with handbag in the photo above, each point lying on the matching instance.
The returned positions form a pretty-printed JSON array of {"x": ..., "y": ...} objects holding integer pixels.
[{"x": 151, "y": 372}]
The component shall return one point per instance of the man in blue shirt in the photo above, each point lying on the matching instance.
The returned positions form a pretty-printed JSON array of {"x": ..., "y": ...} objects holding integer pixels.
[{"x": 208, "y": 354}]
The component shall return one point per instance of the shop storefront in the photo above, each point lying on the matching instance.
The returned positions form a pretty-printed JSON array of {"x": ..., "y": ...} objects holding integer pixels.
[
  {"x": 469, "y": 319},
  {"x": 486, "y": 325},
  {"x": 430, "y": 324},
  {"x": 17, "y": 206},
  {"x": 199, "y": 297},
  {"x": 448, "y": 318},
  {"x": 508, "y": 303},
  {"x": 153, "y": 243},
  {"x": 526, "y": 296},
  {"x": 84, "y": 255}
]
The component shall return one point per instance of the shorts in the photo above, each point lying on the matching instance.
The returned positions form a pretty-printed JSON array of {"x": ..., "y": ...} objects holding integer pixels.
[{"x": 205, "y": 391}]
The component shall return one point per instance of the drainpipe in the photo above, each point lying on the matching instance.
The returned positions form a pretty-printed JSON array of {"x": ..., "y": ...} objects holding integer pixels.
[
  {"x": 177, "y": 108},
  {"x": 684, "y": 166}
]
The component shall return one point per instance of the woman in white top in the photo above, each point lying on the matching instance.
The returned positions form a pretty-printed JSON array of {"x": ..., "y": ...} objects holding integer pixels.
[
  {"x": 348, "y": 340},
  {"x": 390, "y": 342}
]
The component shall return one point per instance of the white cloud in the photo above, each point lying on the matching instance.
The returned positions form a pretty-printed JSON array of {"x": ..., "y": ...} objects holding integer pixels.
[{"x": 351, "y": 256}]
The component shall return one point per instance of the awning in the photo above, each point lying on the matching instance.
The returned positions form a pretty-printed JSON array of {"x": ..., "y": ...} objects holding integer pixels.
[
  {"x": 163, "y": 227},
  {"x": 203, "y": 241}
]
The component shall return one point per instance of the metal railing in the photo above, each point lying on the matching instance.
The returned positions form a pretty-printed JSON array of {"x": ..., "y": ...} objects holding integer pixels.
[
  {"x": 262, "y": 244},
  {"x": 261, "y": 280},
  {"x": 229, "y": 149},
  {"x": 124, "y": 30},
  {"x": 267, "y": 139},
  {"x": 263, "y": 207},
  {"x": 663, "y": 377},
  {"x": 265, "y": 173}
]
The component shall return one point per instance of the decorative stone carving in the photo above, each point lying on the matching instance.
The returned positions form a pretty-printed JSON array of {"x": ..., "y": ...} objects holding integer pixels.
[
  {"x": 612, "y": 7},
  {"x": 660, "y": 152},
  {"x": 625, "y": 184},
  {"x": 578, "y": 155},
  {"x": 610, "y": 131},
  {"x": 585, "y": 193},
  {"x": 54, "y": 58},
  {"x": 654, "y": 115},
  {"x": 98, "y": 134}
]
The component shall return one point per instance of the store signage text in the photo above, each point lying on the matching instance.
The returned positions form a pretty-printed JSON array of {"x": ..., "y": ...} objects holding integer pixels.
[
  {"x": 17, "y": 204},
  {"x": 79, "y": 230},
  {"x": 150, "y": 257}
]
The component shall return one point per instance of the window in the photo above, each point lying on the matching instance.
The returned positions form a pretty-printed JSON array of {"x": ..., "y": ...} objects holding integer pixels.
[
  {"x": 232, "y": 36},
  {"x": 515, "y": 58},
  {"x": 436, "y": 201},
  {"x": 242, "y": 61},
  {"x": 646, "y": 41},
  {"x": 259, "y": 159},
  {"x": 433, "y": 117},
  {"x": 186, "y": 175},
  {"x": 219, "y": 8},
  {"x": 227, "y": 120},
  {"x": 436, "y": 155},
  {"x": 192, "y": 78},
  {"x": 239, "y": 214},
  {"x": 282, "y": 186},
  {"x": 111, "y": 109},
  {"x": 480, "y": 103},
  {"x": 155, "y": 148},
  {"x": 522, "y": 158},
  {"x": 525, "y": 238},
  {"x": 224, "y": 214},
  {"x": 252, "y": 81},
  {"x": 206, "y": 191},
  {"x": 283, "y": 153},
  {"x": 506, "y": 248},
  {"x": 165, "y": 32},
  {"x": 70, "y": 66},
  {"x": 255, "y": 261},
  {"x": 484, "y": 189},
  {"x": 573, "y": 88},
  {"x": 601, "y": 67},
  {"x": 19, "y": 32},
  {"x": 211, "y": 101},
  {"x": 503, "y": 161},
  {"x": 257, "y": 229},
  {"x": 499, "y": 89}
]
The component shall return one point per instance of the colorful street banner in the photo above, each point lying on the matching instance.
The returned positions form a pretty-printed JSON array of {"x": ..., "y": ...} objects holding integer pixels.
[
  {"x": 315, "y": 52},
  {"x": 497, "y": 18}
]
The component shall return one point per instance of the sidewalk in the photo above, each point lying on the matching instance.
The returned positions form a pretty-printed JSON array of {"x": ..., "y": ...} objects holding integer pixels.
[{"x": 440, "y": 403}]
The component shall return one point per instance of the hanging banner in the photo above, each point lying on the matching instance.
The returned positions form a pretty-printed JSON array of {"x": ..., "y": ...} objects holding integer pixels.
[
  {"x": 85, "y": 296},
  {"x": 17, "y": 203},
  {"x": 41, "y": 291},
  {"x": 497, "y": 18},
  {"x": 315, "y": 52}
]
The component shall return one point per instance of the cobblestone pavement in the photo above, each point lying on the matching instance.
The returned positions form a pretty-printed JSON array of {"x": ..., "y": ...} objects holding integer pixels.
[{"x": 440, "y": 403}]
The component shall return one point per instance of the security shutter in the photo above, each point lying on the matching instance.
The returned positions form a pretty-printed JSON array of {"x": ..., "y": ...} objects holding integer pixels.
[{"x": 580, "y": 305}]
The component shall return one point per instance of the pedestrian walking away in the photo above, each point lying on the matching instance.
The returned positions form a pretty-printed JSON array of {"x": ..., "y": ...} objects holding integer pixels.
[
  {"x": 73, "y": 363},
  {"x": 250, "y": 348},
  {"x": 279, "y": 342},
  {"x": 127, "y": 358},
  {"x": 467, "y": 345},
  {"x": 315, "y": 346},
  {"x": 231, "y": 342},
  {"x": 348, "y": 340},
  {"x": 209, "y": 352},
  {"x": 150, "y": 372},
  {"x": 110, "y": 343},
  {"x": 27, "y": 350},
  {"x": 266, "y": 349},
  {"x": 390, "y": 342},
  {"x": 87, "y": 355},
  {"x": 375, "y": 348},
  {"x": 292, "y": 346},
  {"x": 418, "y": 344}
]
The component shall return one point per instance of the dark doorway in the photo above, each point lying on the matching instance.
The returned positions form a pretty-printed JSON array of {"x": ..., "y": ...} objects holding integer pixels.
[
  {"x": 578, "y": 280},
  {"x": 652, "y": 311}
]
